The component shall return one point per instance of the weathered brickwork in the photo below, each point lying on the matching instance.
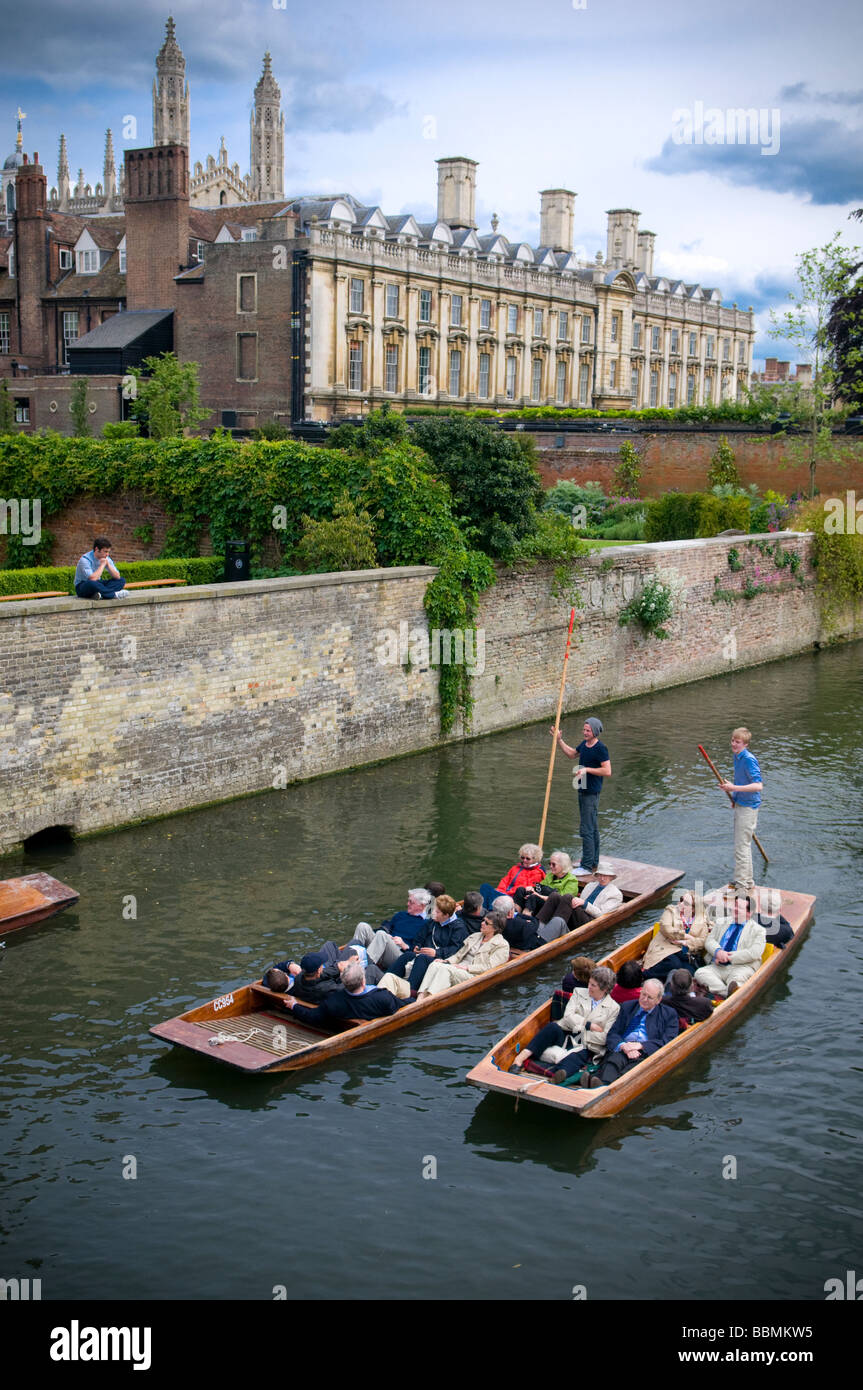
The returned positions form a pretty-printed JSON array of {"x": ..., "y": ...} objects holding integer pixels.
[
  {"x": 111, "y": 712},
  {"x": 679, "y": 460}
]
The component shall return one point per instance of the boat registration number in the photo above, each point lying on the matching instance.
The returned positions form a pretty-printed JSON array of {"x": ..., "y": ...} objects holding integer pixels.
[{"x": 222, "y": 1002}]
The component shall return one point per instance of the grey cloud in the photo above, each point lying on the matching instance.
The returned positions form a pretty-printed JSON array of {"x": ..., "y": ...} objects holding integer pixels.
[
  {"x": 821, "y": 160},
  {"x": 801, "y": 91}
]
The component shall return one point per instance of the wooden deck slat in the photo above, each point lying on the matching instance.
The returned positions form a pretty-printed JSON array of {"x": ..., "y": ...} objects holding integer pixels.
[{"x": 259, "y": 1031}]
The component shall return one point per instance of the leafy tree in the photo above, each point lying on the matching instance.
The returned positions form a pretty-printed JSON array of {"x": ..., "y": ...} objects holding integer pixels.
[
  {"x": 492, "y": 477},
  {"x": 7, "y": 410},
  {"x": 271, "y": 429},
  {"x": 822, "y": 276},
  {"x": 346, "y": 542},
  {"x": 79, "y": 411},
  {"x": 380, "y": 428},
  {"x": 627, "y": 473},
  {"x": 845, "y": 334},
  {"x": 120, "y": 429},
  {"x": 167, "y": 396},
  {"x": 723, "y": 468}
]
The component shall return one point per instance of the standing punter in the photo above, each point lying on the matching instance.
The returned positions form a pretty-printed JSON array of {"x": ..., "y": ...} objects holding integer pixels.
[
  {"x": 593, "y": 764},
  {"x": 745, "y": 792}
]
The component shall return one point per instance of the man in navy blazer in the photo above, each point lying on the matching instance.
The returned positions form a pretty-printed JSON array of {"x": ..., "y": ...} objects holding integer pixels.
[{"x": 640, "y": 1029}]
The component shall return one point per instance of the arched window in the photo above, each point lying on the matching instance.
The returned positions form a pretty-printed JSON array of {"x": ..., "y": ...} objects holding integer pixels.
[
  {"x": 10, "y": 198},
  {"x": 223, "y": 198}
]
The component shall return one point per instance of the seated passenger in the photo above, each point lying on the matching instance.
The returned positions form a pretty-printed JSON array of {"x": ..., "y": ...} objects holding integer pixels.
[
  {"x": 682, "y": 933},
  {"x": 568, "y": 911},
  {"x": 439, "y": 939},
  {"x": 472, "y": 912},
  {"x": 580, "y": 1035},
  {"x": 524, "y": 874},
  {"x": 641, "y": 1028},
  {"x": 559, "y": 879},
  {"x": 398, "y": 933},
  {"x": 629, "y": 982},
  {"x": 777, "y": 929},
  {"x": 578, "y": 974},
  {"x": 681, "y": 997},
  {"x": 356, "y": 1000},
  {"x": 311, "y": 981},
  {"x": 482, "y": 951},
  {"x": 733, "y": 947}
]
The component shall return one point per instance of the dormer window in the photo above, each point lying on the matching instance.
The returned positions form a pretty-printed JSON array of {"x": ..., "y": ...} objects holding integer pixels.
[
  {"x": 250, "y": 234},
  {"x": 66, "y": 258},
  {"x": 121, "y": 252},
  {"x": 88, "y": 262}
]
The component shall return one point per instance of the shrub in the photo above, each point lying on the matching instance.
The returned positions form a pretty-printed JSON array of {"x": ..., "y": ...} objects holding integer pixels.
[
  {"x": 271, "y": 429},
  {"x": 79, "y": 411},
  {"x": 566, "y": 495},
  {"x": 627, "y": 473},
  {"x": 121, "y": 429},
  {"x": 344, "y": 543},
  {"x": 652, "y": 608},
  {"x": 680, "y": 516},
  {"x": 7, "y": 409},
  {"x": 723, "y": 468},
  {"x": 837, "y": 557}
]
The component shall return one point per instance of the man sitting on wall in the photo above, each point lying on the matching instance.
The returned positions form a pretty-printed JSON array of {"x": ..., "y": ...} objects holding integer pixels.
[{"x": 89, "y": 581}]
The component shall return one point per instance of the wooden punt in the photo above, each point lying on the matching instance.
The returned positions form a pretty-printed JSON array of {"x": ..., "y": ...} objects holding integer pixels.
[
  {"x": 250, "y": 1029},
  {"x": 26, "y": 900},
  {"x": 493, "y": 1072}
]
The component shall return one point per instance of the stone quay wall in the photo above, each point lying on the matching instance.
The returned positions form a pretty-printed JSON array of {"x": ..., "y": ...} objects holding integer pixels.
[{"x": 110, "y": 713}]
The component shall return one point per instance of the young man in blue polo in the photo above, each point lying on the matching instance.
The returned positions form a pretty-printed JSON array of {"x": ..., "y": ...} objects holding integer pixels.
[
  {"x": 745, "y": 792},
  {"x": 96, "y": 575},
  {"x": 594, "y": 763}
]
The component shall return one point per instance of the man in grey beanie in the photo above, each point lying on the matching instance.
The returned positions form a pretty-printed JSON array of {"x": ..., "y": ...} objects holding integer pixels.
[{"x": 593, "y": 764}]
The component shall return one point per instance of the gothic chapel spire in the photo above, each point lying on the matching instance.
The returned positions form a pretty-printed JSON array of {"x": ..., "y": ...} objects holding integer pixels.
[
  {"x": 267, "y": 140},
  {"x": 170, "y": 93}
]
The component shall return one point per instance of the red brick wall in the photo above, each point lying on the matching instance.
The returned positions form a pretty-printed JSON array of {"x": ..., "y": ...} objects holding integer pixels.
[
  {"x": 679, "y": 460},
  {"x": 157, "y": 224},
  {"x": 208, "y": 321},
  {"x": 50, "y": 396}
]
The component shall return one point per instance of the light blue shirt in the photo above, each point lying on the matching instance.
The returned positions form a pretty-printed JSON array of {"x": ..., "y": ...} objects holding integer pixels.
[
  {"x": 87, "y": 564},
  {"x": 746, "y": 770}
]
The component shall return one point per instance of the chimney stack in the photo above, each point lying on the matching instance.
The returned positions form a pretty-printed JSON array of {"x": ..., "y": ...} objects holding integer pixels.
[
  {"x": 31, "y": 195},
  {"x": 646, "y": 244},
  {"x": 456, "y": 192},
  {"x": 557, "y": 218},
  {"x": 157, "y": 224},
  {"x": 622, "y": 248}
]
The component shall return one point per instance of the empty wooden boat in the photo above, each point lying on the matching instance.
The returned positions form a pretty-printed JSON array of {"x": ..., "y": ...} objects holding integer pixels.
[
  {"x": 26, "y": 900},
  {"x": 493, "y": 1072},
  {"x": 250, "y": 1028}
]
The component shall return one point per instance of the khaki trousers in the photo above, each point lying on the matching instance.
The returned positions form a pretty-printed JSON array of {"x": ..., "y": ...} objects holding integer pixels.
[
  {"x": 440, "y": 976},
  {"x": 745, "y": 821},
  {"x": 717, "y": 978}
]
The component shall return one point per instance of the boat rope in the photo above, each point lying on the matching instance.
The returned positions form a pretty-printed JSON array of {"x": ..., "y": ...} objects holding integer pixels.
[
  {"x": 529, "y": 1086},
  {"x": 218, "y": 1038}
]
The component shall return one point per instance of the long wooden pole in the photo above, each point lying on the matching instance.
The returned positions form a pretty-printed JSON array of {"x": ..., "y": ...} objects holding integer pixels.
[
  {"x": 718, "y": 775},
  {"x": 556, "y": 728}
]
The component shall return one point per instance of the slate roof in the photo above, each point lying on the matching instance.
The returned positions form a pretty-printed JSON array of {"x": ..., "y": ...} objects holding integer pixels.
[{"x": 122, "y": 329}]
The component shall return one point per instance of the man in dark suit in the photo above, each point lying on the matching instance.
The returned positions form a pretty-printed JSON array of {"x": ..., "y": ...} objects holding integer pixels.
[
  {"x": 640, "y": 1029},
  {"x": 356, "y": 1000}
]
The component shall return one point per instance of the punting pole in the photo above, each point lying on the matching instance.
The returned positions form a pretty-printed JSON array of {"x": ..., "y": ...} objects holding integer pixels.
[
  {"x": 718, "y": 775},
  {"x": 556, "y": 728}
]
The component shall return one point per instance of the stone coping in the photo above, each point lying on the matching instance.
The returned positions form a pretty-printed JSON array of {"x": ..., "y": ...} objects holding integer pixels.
[{"x": 244, "y": 588}]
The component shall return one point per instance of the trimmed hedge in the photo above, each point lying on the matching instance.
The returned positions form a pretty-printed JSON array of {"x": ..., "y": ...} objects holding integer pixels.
[
  {"x": 208, "y": 569},
  {"x": 685, "y": 516}
]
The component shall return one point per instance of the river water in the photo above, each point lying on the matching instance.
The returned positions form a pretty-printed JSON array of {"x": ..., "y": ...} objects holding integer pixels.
[{"x": 315, "y": 1182}]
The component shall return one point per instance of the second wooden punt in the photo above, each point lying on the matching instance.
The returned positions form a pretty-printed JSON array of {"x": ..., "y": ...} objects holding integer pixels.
[
  {"x": 251, "y": 1030},
  {"x": 26, "y": 900},
  {"x": 493, "y": 1072}
]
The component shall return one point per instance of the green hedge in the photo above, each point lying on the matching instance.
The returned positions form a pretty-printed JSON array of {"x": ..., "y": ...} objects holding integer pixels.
[
  {"x": 255, "y": 489},
  {"x": 684, "y": 516},
  {"x": 208, "y": 569}
]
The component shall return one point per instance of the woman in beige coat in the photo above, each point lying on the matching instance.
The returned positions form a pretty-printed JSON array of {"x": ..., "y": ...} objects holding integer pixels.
[
  {"x": 682, "y": 933},
  {"x": 483, "y": 950},
  {"x": 580, "y": 1035}
]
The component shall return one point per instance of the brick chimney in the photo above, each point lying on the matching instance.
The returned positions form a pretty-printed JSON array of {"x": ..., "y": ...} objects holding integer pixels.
[
  {"x": 157, "y": 224},
  {"x": 31, "y": 188}
]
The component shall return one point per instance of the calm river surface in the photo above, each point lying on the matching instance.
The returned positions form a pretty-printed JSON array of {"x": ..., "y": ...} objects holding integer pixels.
[{"x": 235, "y": 1175}]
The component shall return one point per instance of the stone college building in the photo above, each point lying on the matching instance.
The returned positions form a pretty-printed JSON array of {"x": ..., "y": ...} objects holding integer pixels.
[{"x": 320, "y": 306}]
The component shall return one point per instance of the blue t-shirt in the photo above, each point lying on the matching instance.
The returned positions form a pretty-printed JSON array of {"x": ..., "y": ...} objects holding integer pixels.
[
  {"x": 746, "y": 770},
  {"x": 592, "y": 757}
]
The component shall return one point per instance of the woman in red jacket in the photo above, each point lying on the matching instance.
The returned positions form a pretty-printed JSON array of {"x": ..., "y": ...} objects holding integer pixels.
[{"x": 527, "y": 872}]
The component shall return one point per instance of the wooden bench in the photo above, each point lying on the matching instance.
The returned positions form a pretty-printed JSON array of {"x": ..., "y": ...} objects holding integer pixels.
[
  {"x": 48, "y": 593},
  {"x": 153, "y": 583}
]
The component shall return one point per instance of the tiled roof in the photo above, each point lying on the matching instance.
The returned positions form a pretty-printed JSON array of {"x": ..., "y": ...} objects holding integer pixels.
[
  {"x": 122, "y": 329},
  {"x": 108, "y": 283}
]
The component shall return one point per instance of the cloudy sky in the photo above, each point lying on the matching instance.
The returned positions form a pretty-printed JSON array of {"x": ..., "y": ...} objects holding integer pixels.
[{"x": 601, "y": 96}]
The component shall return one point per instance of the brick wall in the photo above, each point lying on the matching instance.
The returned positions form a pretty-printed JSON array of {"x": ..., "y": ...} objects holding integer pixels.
[
  {"x": 223, "y": 690},
  {"x": 679, "y": 460},
  {"x": 50, "y": 397}
]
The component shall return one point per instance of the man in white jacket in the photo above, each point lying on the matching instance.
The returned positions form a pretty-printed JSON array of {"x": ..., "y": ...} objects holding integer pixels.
[
  {"x": 734, "y": 947},
  {"x": 595, "y": 899}
]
